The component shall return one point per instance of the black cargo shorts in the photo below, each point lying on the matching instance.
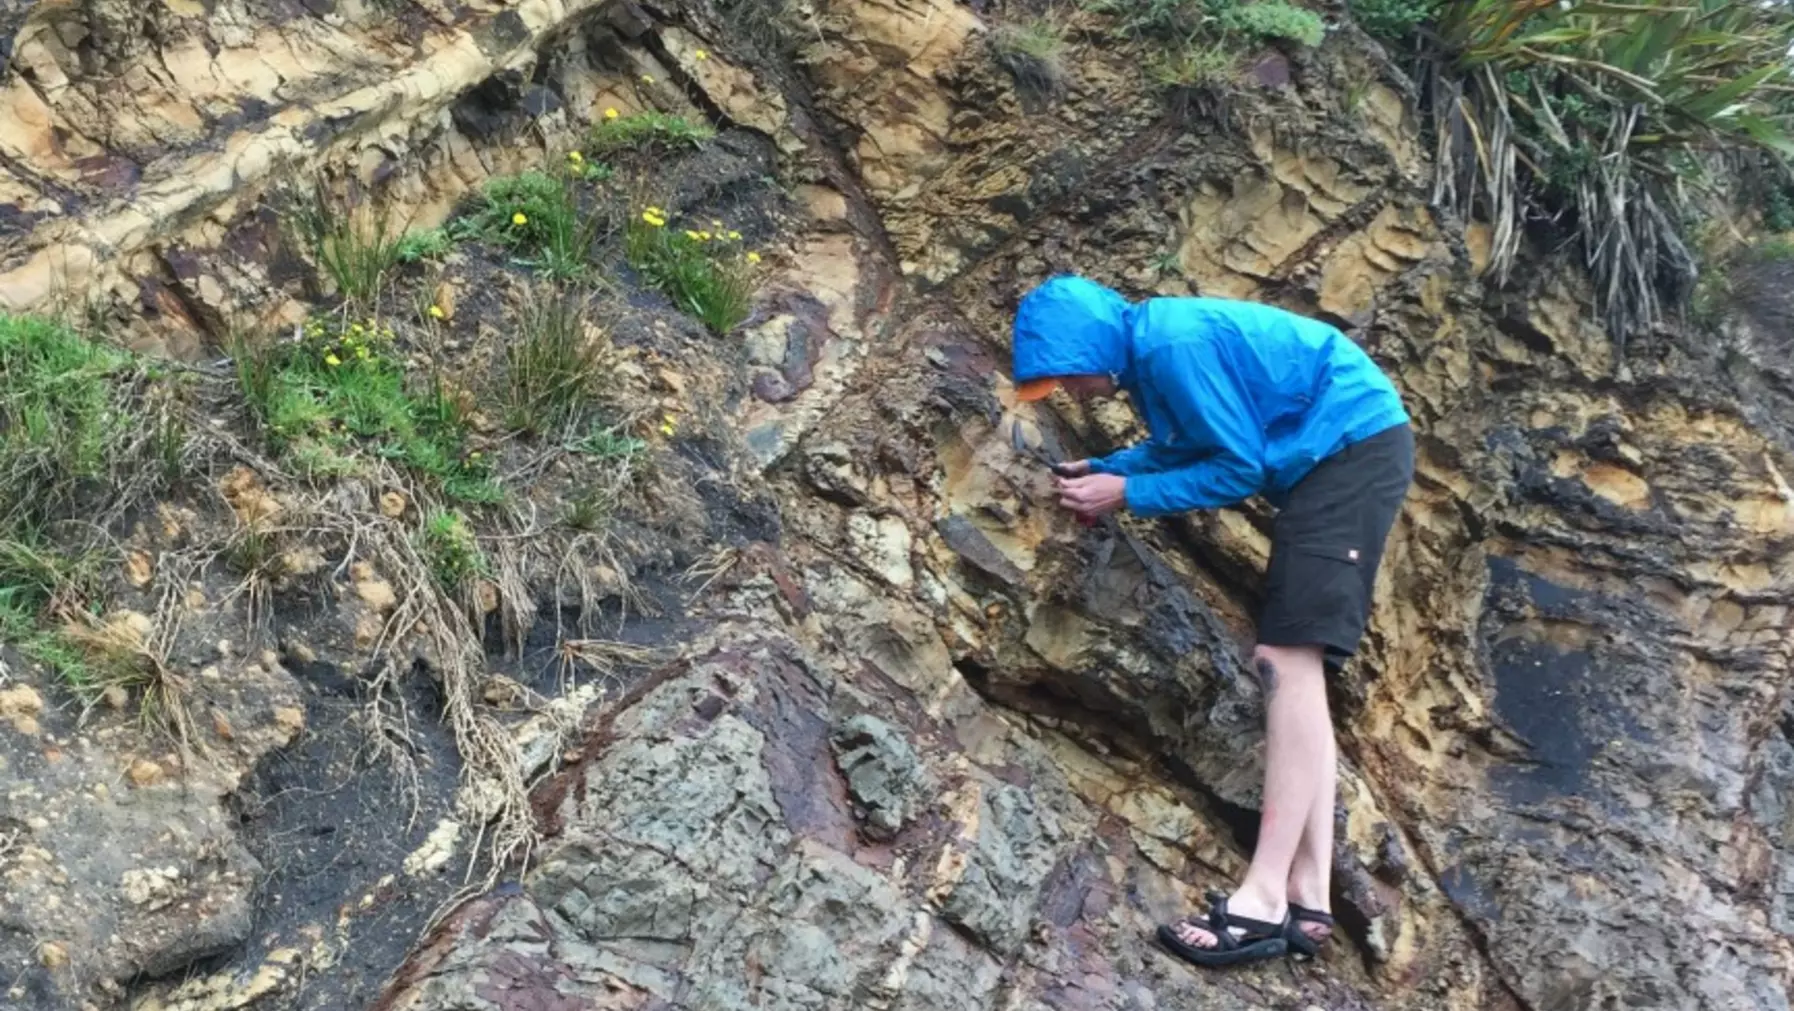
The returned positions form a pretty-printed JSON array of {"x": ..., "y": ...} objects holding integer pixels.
[{"x": 1327, "y": 542}]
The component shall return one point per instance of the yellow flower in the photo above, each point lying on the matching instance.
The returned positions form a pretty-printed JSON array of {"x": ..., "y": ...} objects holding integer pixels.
[
  {"x": 611, "y": 114},
  {"x": 519, "y": 219},
  {"x": 734, "y": 236},
  {"x": 655, "y": 210},
  {"x": 647, "y": 78},
  {"x": 718, "y": 225},
  {"x": 704, "y": 236},
  {"x": 575, "y": 157},
  {"x": 753, "y": 257},
  {"x": 436, "y": 312},
  {"x": 700, "y": 55},
  {"x": 666, "y": 429},
  {"x": 654, "y": 219},
  {"x": 693, "y": 236},
  {"x": 361, "y": 353},
  {"x": 332, "y": 360}
]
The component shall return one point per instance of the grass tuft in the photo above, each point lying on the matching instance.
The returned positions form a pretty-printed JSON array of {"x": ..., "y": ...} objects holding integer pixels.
[
  {"x": 554, "y": 365},
  {"x": 431, "y": 244},
  {"x": 538, "y": 214},
  {"x": 64, "y": 418},
  {"x": 352, "y": 245},
  {"x": 1033, "y": 53},
  {"x": 339, "y": 392},
  {"x": 1195, "y": 66},
  {"x": 704, "y": 272},
  {"x": 646, "y": 131},
  {"x": 448, "y": 546}
]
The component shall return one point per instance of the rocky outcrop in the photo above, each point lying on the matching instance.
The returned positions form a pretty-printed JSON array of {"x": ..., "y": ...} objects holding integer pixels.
[{"x": 938, "y": 747}]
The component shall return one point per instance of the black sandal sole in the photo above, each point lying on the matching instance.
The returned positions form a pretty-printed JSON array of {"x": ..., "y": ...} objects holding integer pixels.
[
  {"x": 1214, "y": 958},
  {"x": 1303, "y": 948}
]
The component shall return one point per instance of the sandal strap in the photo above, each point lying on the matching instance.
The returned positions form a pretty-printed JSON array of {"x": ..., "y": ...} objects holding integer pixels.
[
  {"x": 1220, "y": 923},
  {"x": 1306, "y": 915}
]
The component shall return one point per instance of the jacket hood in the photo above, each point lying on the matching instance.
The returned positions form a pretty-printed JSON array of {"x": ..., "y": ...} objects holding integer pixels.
[{"x": 1071, "y": 326}]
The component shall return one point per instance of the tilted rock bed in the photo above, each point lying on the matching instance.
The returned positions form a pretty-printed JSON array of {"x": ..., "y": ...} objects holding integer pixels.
[{"x": 919, "y": 742}]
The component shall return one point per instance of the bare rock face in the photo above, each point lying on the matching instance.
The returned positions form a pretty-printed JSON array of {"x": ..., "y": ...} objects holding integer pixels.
[
  {"x": 119, "y": 848},
  {"x": 937, "y": 747}
]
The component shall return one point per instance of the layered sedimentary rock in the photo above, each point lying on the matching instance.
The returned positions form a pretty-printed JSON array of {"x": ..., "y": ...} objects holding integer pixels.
[{"x": 937, "y": 746}]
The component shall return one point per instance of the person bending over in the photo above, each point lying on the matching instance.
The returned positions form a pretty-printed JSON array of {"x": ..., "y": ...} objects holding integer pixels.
[{"x": 1243, "y": 399}]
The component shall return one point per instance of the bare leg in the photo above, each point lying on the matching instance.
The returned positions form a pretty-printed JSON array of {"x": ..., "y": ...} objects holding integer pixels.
[
  {"x": 1311, "y": 872},
  {"x": 1299, "y": 758}
]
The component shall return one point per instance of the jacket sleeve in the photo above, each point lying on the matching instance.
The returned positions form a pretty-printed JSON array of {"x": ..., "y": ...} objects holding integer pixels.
[
  {"x": 1140, "y": 458},
  {"x": 1210, "y": 411}
]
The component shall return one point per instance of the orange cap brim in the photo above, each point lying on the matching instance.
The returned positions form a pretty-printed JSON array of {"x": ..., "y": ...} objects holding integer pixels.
[{"x": 1036, "y": 389}]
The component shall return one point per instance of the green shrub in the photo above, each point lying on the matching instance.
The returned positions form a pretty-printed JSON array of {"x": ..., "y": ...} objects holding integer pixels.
[
  {"x": 1778, "y": 209},
  {"x": 1183, "y": 22},
  {"x": 1393, "y": 20},
  {"x": 1593, "y": 114},
  {"x": 704, "y": 272},
  {"x": 645, "y": 131},
  {"x": 340, "y": 393},
  {"x": 1269, "y": 19}
]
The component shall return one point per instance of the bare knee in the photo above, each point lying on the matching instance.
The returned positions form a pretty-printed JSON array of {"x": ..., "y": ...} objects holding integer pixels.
[{"x": 1284, "y": 666}]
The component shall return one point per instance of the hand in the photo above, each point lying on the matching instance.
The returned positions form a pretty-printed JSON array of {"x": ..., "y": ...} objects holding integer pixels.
[
  {"x": 1094, "y": 495},
  {"x": 1072, "y": 468}
]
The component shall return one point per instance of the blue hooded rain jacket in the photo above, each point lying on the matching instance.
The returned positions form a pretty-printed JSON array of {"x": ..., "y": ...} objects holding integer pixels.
[{"x": 1239, "y": 398}]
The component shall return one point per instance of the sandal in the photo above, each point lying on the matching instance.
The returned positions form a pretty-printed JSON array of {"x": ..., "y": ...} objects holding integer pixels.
[
  {"x": 1261, "y": 939},
  {"x": 1301, "y": 946}
]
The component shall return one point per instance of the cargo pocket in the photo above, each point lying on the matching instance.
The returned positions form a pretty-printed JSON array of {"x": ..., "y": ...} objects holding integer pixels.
[{"x": 1325, "y": 585}]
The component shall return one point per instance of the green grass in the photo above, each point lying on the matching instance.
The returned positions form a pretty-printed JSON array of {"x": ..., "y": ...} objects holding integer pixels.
[
  {"x": 1033, "y": 53},
  {"x": 1268, "y": 19},
  {"x": 1198, "y": 44},
  {"x": 608, "y": 444},
  {"x": 553, "y": 367},
  {"x": 1778, "y": 208},
  {"x": 78, "y": 432},
  {"x": 1186, "y": 22},
  {"x": 21, "y": 627},
  {"x": 705, "y": 273},
  {"x": 67, "y": 416},
  {"x": 351, "y": 244},
  {"x": 454, "y": 556},
  {"x": 339, "y": 396},
  {"x": 1393, "y": 20},
  {"x": 646, "y": 131},
  {"x": 591, "y": 508},
  {"x": 431, "y": 244},
  {"x": 1195, "y": 65},
  {"x": 538, "y": 215},
  {"x": 588, "y": 512}
]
